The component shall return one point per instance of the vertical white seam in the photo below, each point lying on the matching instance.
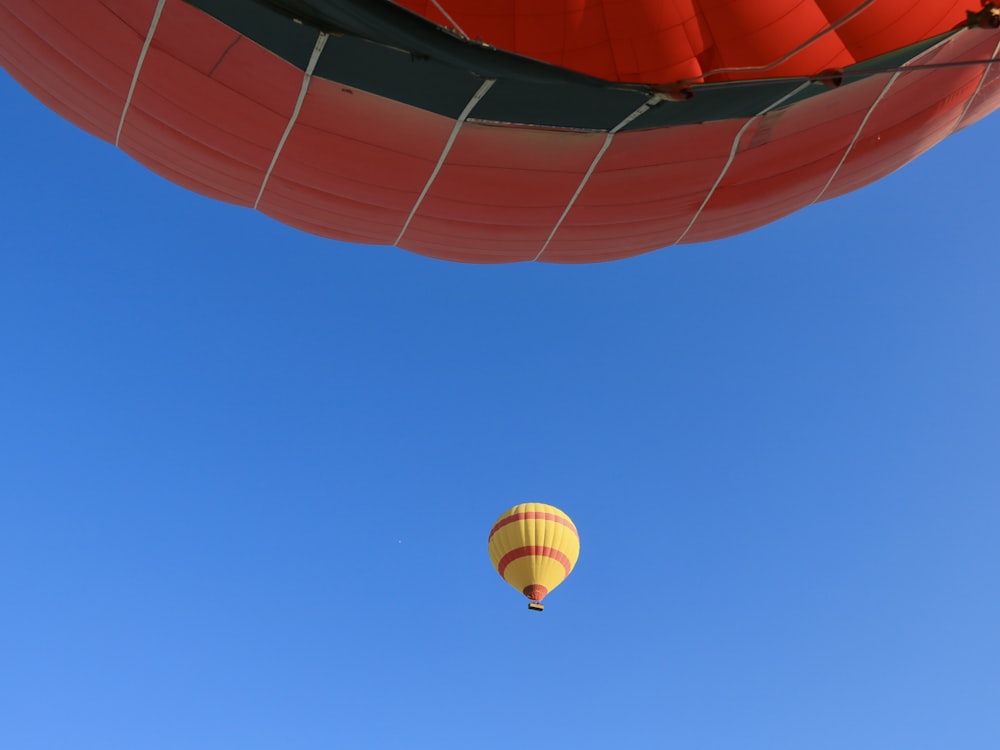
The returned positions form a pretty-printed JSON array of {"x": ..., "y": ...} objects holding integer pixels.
[
  {"x": 982, "y": 80},
  {"x": 593, "y": 165},
  {"x": 480, "y": 93},
  {"x": 138, "y": 67},
  {"x": 732, "y": 156},
  {"x": 313, "y": 60}
]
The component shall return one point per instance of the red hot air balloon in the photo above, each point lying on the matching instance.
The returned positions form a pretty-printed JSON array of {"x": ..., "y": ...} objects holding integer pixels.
[{"x": 565, "y": 131}]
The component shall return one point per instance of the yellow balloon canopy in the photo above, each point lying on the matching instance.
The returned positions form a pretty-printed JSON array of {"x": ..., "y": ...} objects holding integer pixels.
[{"x": 534, "y": 547}]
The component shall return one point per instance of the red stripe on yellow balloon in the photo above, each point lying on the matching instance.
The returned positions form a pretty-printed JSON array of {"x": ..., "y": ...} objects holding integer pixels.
[{"x": 533, "y": 547}]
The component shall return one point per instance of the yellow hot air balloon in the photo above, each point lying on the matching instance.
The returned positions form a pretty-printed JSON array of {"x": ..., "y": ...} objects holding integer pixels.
[{"x": 534, "y": 547}]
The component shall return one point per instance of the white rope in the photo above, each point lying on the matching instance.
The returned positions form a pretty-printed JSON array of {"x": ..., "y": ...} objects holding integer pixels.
[
  {"x": 313, "y": 60},
  {"x": 451, "y": 20},
  {"x": 868, "y": 114},
  {"x": 982, "y": 80},
  {"x": 480, "y": 93},
  {"x": 593, "y": 165},
  {"x": 732, "y": 156},
  {"x": 796, "y": 50},
  {"x": 138, "y": 67},
  {"x": 857, "y": 135}
]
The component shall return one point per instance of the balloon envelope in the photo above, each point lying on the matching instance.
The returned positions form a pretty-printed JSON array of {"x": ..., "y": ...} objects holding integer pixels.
[
  {"x": 565, "y": 131},
  {"x": 534, "y": 547}
]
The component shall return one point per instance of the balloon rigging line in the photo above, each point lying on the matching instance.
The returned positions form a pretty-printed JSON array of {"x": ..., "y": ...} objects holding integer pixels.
[
  {"x": 480, "y": 93},
  {"x": 313, "y": 60},
  {"x": 858, "y": 73},
  {"x": 982, "y": 80},
  {"x": 864, "y": 122},
  {"x": 784, "y": 58},
  {"x": 639, "y": 112},
  {"x": 857, "y": 136},
  {"x": 451, "y": 20},
  {"x": 732, "y": 156},
  {"x": 138, "y": 67},
  {"x": 932, "y": 66}
]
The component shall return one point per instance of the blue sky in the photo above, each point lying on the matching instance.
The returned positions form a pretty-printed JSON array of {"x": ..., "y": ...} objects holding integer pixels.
[{"x": 246, "y": 475}]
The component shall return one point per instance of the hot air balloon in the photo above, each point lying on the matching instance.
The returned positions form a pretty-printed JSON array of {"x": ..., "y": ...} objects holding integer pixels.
[
  {"x": 533, "y": 547},
  {"x": 563, "y": 131}
]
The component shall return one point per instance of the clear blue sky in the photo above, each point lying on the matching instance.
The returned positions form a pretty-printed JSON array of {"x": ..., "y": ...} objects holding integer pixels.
[{"x": 246, "y": 475}]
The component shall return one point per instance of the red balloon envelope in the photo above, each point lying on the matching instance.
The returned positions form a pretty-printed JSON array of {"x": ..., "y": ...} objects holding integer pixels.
[{"x": 565, "y": 131}]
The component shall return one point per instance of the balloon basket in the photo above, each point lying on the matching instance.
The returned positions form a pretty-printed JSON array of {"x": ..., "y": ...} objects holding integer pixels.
[{"x": 537, "y": 606}]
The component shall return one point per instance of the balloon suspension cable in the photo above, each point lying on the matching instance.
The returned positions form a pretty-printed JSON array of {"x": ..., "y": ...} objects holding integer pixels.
[
  {"x": 836, "y": 77},
  {"x": 987, "y": 18},
  {"x": 454, "y": 24},
  {"x": 907, "y": 68},
  {"x": 790, "y": 54}
]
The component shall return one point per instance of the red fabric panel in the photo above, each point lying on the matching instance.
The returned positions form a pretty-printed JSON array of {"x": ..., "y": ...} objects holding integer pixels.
[
  {"x": 664, "y": 41},
  {"x": 502, "y": 187},
  {"x": 210, "y": 110},
  {"x": 644, "y": 192},
  {"x": 214, "y": 111},
  {"x": 751, "y": 34},
  {"x": 356, "y": 161},
  {"x": 920, "y": 109},
  {"x": 888, "y": 25},
  {"x": 783, "y": 163},
  {"x": 988, "y": 95},
  {"x": 76, "y": 57}
]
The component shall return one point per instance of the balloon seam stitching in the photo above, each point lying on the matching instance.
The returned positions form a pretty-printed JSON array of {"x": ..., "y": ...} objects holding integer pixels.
[
  {"x": 306, "y": 79},
  {"x": 138, "y": 67}
]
